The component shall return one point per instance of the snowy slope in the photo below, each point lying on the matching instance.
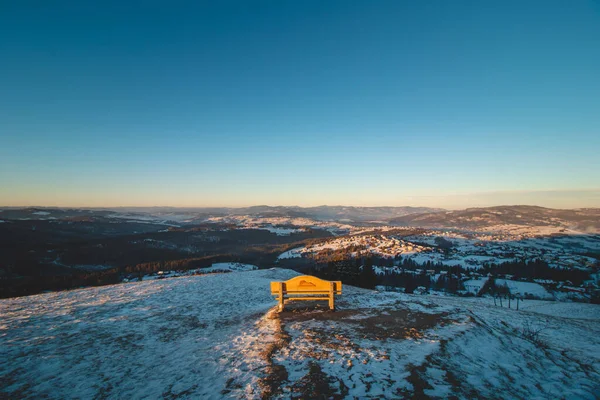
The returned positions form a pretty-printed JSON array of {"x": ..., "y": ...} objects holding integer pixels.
[
  {"x": 218, "y": 336},
  {"x": 133, "y": 340},
  {"x": 525, "y": 288}
]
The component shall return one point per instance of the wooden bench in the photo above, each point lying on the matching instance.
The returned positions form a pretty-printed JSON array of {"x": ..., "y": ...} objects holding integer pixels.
[{"x": 306, "y": 287}]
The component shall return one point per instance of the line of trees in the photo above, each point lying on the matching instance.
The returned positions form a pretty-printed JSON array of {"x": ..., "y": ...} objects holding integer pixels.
[
  {"x": 360, "y": 272},
  {"x": 535, "y": 269},
  {"x": 27, "y": 285}
]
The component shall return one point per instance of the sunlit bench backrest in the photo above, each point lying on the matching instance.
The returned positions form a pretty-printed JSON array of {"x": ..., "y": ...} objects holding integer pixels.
[{"x": 306, "y": 287}]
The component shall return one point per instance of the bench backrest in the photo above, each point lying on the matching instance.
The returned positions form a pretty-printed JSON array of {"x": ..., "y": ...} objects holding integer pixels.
[{"x": 306, "y": 284}]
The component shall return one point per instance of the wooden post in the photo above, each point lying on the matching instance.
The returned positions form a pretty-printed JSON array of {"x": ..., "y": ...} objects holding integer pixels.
[
  {"x": 281, "y": 304},
  {"x": 509, "y": 296},
  {"x": 331, "y": 294}
]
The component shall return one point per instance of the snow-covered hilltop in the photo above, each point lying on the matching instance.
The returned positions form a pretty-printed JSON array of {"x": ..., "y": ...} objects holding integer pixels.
[
  {"x": 467, "y": 249},
  {"x": 216, "y": 336},
  {"x": 373, "y": 244}
]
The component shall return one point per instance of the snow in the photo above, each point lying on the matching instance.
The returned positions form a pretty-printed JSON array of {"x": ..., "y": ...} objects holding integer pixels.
[
  {"x": 41, "y": 213},
  {"x": 230, "y": 266},
  {"x": 257, "y": 222},
  {"x": 509, "y": 243},
  {"x": 213, "y": 269},
  {"x": 517, "y": 288},
  {"x": 470, "y": 249},
  {"x": 279, "y": 231},
  {"x": 562, "y": 309},
  {"x": 380, "y": 245},
  {"x": 525, "y": 288},
  {"x": 87, "y": 267},
  {"x": 135, "y": 340},
  {"x": 422, "y": 258},
  {"x": 478, "y": 350},
  {"x": 293, "y": 253},
  {"x": 151, "y": 219},
  {"x": 218, "y": 336},
  {"x": 474, "y": 285},
  {"x": 383, "y": 270}
]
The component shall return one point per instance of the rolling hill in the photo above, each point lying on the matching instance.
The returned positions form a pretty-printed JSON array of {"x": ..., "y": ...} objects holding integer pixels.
[{"x": 584, "y": 220}]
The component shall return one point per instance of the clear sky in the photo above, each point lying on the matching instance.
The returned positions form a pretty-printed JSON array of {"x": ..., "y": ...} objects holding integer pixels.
[{"x": 234, "y": 103}]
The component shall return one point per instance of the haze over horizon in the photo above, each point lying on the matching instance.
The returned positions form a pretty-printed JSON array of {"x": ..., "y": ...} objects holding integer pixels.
[
  {"x": 551, "y": 199},
  {"x": 436, "y": 104}
]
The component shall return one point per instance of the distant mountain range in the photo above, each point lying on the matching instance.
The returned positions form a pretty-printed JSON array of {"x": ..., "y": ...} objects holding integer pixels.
[
  {"x": 586, "y": 220},
  {"x": 327, "y": 213},
  {"x": 347, "y": 213}
]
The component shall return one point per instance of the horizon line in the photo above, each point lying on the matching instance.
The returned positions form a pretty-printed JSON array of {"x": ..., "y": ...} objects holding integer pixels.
[{"x": 286, "y": 206}]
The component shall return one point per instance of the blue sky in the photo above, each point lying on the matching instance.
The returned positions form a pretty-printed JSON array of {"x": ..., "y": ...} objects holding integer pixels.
[{"x": 439, "y": 103}]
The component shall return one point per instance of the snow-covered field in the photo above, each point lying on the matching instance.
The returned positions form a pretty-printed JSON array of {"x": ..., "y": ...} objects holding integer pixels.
[
  {"x": 162, "y": 338},
  {"x": 278, "y": 225},
  {"x": 230, "y": 266},
  {"x": 280, "y": 231},
  {"x": 293, "y": 253},
  {"x": 474, "y": 285},
  {"x": 88, "y": 267},
  {"x": 214, "y": 268},
  {"x": 562, "y": 309},
  {"x": 167, "y": 220},
  {"x": 526, "y": 288},
  {"x": 517, "y": 288},
  {"x": 217, "y": 336}
]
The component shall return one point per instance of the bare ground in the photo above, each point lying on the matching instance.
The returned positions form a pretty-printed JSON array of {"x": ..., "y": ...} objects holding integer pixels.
[{"x": 374, "y": 325}]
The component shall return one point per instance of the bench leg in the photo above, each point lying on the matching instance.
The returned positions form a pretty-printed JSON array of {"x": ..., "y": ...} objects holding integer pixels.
[
  {"x": 331, "y": 298},
  {"x": 281, "y": 304}
]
